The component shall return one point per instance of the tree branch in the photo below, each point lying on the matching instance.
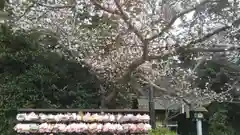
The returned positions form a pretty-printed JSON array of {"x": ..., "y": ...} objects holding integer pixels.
[
  {"x": 200, "y": 62},
  {"x": 98, "y": 5},
  {"x": 164, "y": 90},
  {"x": 55, "y": 6},
  {"x": 135, "y": 64},
  {"x": 214, "y": 50},
  {"x": 166, "y": 28},
  {"x": 209, "y": 35},
  {"x": 135, "y": 30},
  {"x": 127, "y": 21},
  {"x": 217, "y": 31},
  {"x": 25, "y": 12},
  {"x": 139, "y": 61}
]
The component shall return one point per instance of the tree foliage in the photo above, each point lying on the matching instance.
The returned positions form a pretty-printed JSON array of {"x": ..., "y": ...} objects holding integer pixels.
[
  {"x": 219, "y": 121},
  {"x": 144, "y": 40},
  {"x": 187, "y": 46},
  {"x": 33, "y": 77}
]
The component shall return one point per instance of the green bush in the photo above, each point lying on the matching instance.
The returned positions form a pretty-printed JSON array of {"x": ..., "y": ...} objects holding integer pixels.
[{"x": 162, "y": 131}]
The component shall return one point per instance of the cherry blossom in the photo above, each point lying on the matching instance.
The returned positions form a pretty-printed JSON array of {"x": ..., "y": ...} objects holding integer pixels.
[{"x": 121, "y": 40}]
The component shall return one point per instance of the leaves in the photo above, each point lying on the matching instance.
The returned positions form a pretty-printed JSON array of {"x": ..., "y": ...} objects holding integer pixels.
[
  {"x": 117, "y": 39},
  {"x": 219, "y": 125},
  {"x": 162, "y": 131},
  {"x": 28, "y": 76}
]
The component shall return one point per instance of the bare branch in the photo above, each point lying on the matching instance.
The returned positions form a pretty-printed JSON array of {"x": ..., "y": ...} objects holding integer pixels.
[{"x": 166, "y": 28}]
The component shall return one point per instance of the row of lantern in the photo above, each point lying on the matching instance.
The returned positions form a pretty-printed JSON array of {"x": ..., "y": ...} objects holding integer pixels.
[
  {"x": 82, "y": 128},
  {"x": 88, "y": 117}
]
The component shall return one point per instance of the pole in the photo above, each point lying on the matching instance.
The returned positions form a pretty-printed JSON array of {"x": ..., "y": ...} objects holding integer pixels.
[
  {"x": 199, "y": 127},
  {"x": 152, "y": 109}
]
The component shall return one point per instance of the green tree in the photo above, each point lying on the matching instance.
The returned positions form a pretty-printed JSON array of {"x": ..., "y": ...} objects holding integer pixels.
[
  {"x": 219, "y": 121},
  {"x": 32, "y": 77}
]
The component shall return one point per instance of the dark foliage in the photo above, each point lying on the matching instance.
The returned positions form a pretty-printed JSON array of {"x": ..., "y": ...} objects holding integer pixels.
[{"x": 31, "y": 77}]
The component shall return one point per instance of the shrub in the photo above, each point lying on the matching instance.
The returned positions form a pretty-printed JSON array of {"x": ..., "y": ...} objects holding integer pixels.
[{"x": 162, "y": 131}]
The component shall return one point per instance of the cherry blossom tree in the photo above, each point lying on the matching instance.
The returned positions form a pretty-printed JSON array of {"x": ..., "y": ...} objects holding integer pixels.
[{"x": 128, "y": 44}]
